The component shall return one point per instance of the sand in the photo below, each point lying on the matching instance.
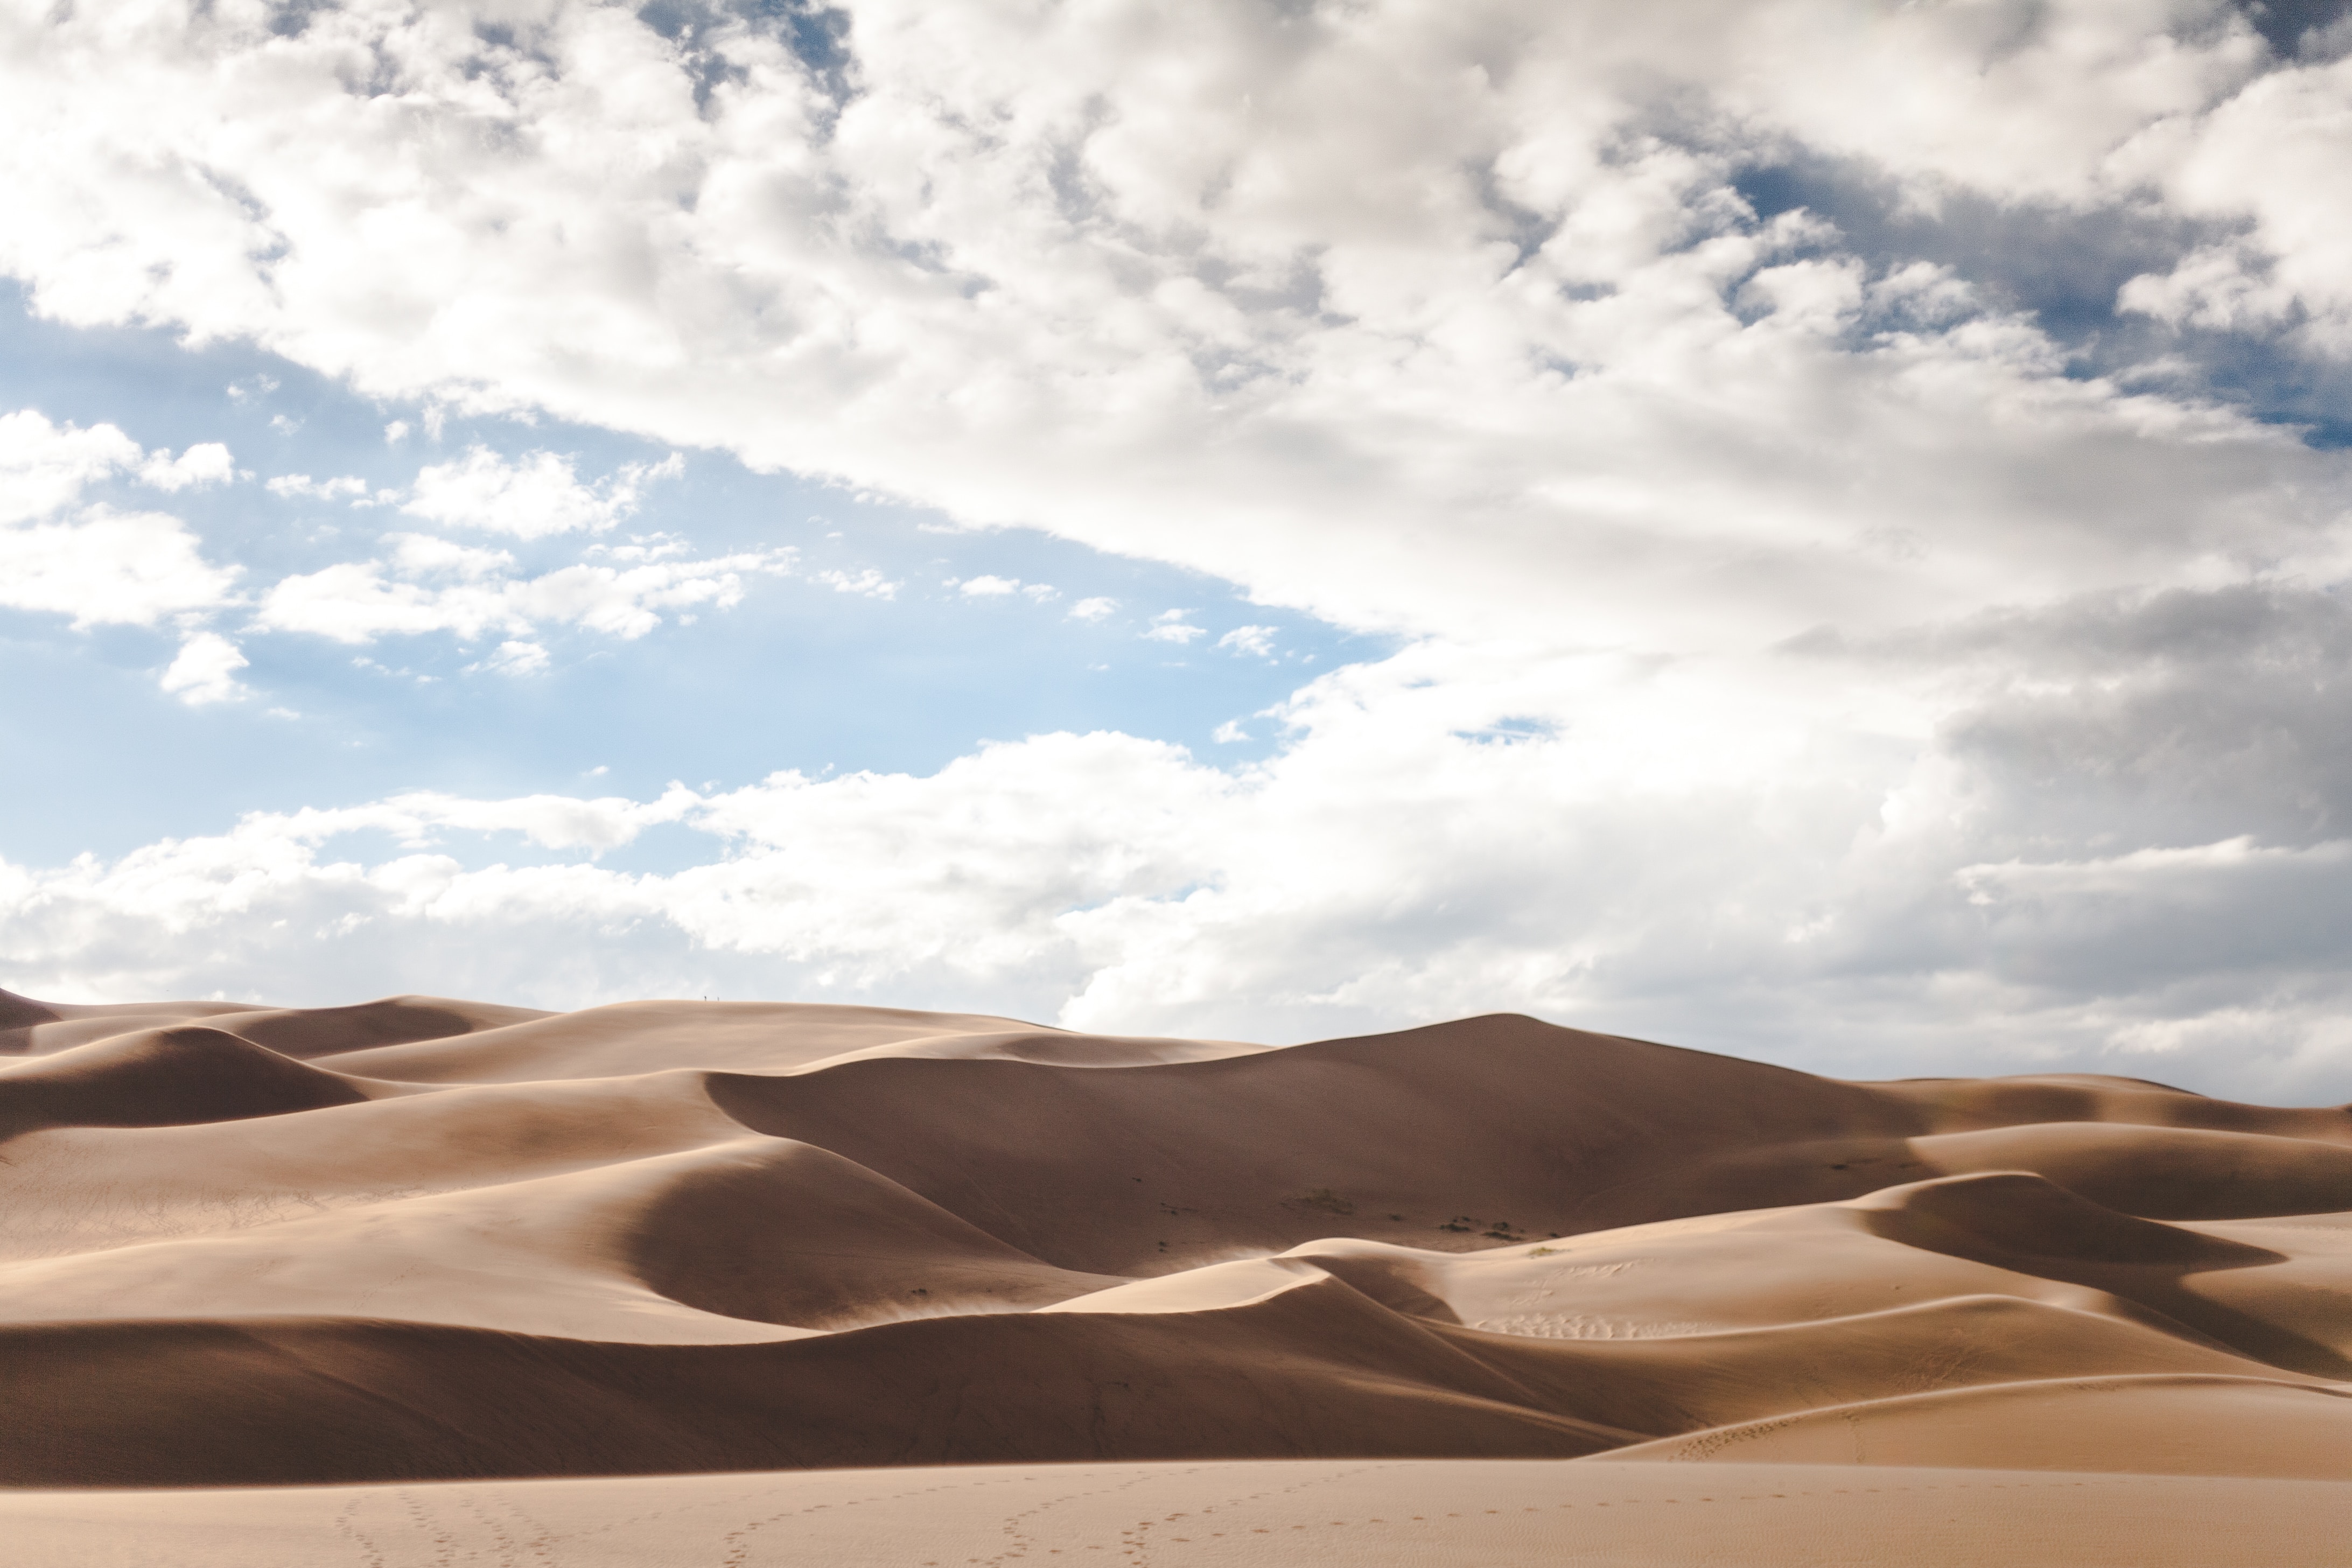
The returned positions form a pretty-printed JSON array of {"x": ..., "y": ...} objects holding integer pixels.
[
  {"x": 336, "y": 1267},
  {"x": 1413, "y": 1513}
]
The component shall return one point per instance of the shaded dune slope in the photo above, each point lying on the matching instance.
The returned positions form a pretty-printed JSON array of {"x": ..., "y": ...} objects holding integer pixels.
[
  {"x": 778, "y": 1232},
  {"x": 418, "y": 1237},
  {"x": 19, "y": 1015},
  {"x": 693, "y": 1246},
  {"x": 1548, "y": 1131},
  {"x": 2188, "y": 1425},
  {"x": 30, "y": 1028},
  {"x": 159, "y": 1078},
  {"x": 1319, "y": 1369},
  {"x": 307, "y": 1032}
]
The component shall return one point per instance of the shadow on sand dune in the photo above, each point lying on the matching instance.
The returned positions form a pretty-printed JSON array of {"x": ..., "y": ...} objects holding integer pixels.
[{"x": 420, "y": 1238}]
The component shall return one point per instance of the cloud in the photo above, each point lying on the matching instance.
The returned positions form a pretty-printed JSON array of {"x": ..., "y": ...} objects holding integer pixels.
[
  {"x": 515, "y": 658},
  {"x": 1257, "y": 640},
  {"x": 868, "y": 582},
  {"x": 1107, "y": 881},
  {"x": 426, "y": 554},
  {"x": 110, "y": 568},
  {"x": 44, "y": 467},
  {"x": 1094, "y": 609},
  {"x": 101, "y": 566},
  {"x": 2268, "y": 164},
  {"x": 292, "y": 485},
  {"x": 207, "y": 463},
  {"x": 356, "y": 603},
  {"x": 1170, "y": 626},
  {"x": 205, "y": 670},
  {"x": 993, "y": 587},
  {"x": 1520, "y": 296},
  {"x": 431, "y": 584},
  {"x": 530, "y": 496}
]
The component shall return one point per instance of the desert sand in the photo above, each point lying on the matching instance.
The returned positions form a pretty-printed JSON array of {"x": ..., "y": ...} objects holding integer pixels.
[
  {"x": 1409, "y": 1514},
  {"x": 367, "y": 1284}
]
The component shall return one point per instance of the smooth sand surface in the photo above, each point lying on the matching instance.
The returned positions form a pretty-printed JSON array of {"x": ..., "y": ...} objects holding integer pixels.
[
  {"x": 421, "y": 1242},
  {"x": 1410, "y": 1513}
]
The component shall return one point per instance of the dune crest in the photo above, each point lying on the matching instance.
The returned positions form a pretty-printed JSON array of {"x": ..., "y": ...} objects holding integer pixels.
[{"x": 418, "y": 1238}]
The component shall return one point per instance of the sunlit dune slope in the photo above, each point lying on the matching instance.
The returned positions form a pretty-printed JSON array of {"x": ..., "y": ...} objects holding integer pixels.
[{"x": 419, "y": 1239}]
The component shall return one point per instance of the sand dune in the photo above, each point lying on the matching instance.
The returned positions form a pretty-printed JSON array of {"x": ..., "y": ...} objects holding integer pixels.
[
  {"x": 1546, "y": 1130},
  {"x": 420, "y": 1238},
  {"x": 2180, "y": 1425},
  {"x": 31, "y": 1026},
  {"x": 630, "y": 1038},
  {"x": 76, "y": 1188},
  {"x": 168, "y": 1076}
]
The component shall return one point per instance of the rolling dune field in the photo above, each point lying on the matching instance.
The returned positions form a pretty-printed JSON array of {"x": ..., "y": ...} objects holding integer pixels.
[{"x": 390, "y": 1283}]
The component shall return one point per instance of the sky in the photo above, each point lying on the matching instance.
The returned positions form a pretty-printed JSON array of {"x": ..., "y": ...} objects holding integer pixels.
[{"x": 1813, "y": 529}]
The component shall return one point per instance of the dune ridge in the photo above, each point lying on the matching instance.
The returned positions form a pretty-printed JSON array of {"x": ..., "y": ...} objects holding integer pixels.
[{"x": 422, "y": 1239}]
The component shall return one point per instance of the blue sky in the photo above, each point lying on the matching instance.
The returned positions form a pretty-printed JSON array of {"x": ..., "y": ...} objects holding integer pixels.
[
  {"x": 1798, "y": 527},
  {"x": 799, "y": 675}
]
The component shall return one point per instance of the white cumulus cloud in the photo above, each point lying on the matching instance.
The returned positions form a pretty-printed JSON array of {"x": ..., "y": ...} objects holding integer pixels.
[
  {"x": 1257, "y": 640},
  {"x": 2270, "y": 164},
  {"x": 1170, "y": 626},
  {"x": 530, "y": 496},
  {"x": 109, "y": 567},
  {"x": 205, "y": 670},
  {"x": 1313, "y": 283},
  {"x": 97, "y": 564},
  {"x": 869, "y": 583},
  {"x": 431, "y": 584},
  {"x": 347, "y": 487},
  {"x": 1109, "y": 881},
  {"x": 206, "y": 463}
]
